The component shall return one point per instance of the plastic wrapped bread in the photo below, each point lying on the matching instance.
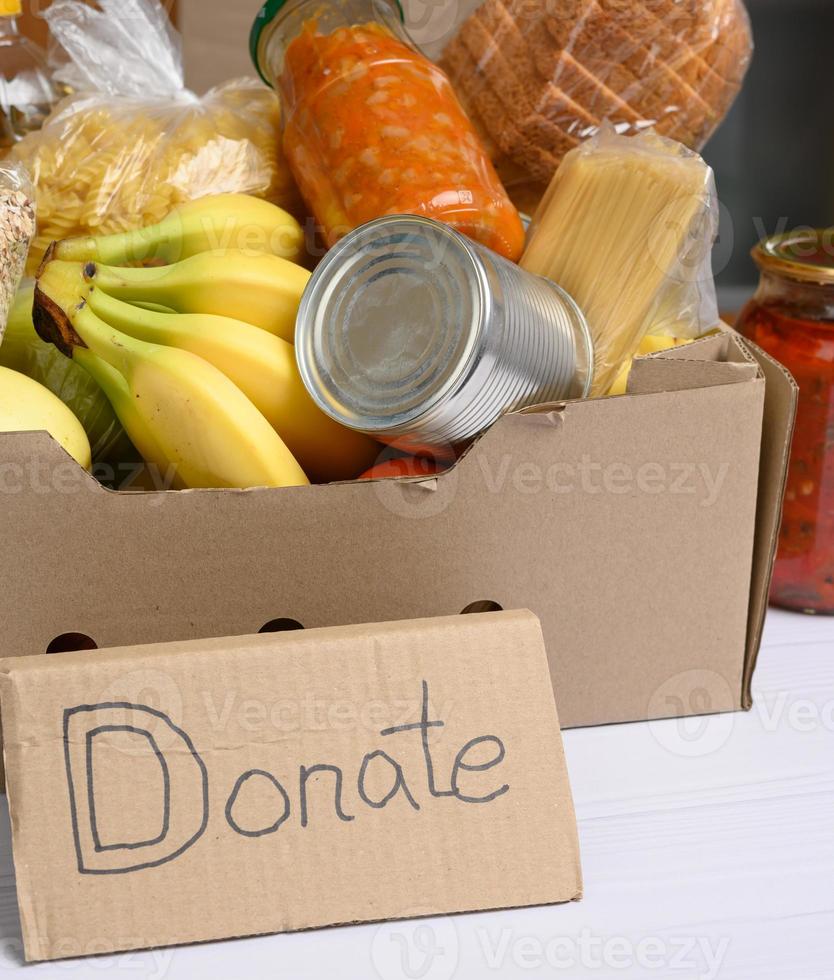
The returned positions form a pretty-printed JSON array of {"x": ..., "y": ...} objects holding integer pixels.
[
  {"x": 627, "y": 227},
  {"x": 538, "y": 78}
]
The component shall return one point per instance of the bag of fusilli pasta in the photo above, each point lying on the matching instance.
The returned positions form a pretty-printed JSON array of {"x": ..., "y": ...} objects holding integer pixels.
[{"x": 132, "y": 142}]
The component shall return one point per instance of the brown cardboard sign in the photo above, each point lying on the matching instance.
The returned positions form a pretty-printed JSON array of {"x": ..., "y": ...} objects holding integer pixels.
[{"x": 208, "y": 789}]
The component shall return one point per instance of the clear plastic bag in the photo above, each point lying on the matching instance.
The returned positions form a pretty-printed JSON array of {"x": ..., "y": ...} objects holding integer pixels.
[
  {"x": 17, "y": 229},
  {"x": 627, "y": 227},
  {"x": 23, "y": 350},
  {"x": 132, "y": 142},
  {"x": 539, "y": 76}
]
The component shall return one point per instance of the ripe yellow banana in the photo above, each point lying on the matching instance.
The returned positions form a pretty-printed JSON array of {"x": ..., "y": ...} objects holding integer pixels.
[
  {"x": 264, "y": 368},
  {"x": 199, "y": 420},
  {"x": 126, "y": 408},
  {"x": 263, "y": 290},
  {"x": 222, "y": 221},
  {"x": 26, "y": 406}
]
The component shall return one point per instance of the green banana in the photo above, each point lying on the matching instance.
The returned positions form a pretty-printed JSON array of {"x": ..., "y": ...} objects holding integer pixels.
[{"x": 218, "y": 222}]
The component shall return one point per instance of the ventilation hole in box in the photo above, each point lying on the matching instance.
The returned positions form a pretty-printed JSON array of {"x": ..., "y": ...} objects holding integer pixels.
[
  {"x": 280, "y": 626},
  {"x": 482, "y": 605},
  {"x": 71, "y": 642}
]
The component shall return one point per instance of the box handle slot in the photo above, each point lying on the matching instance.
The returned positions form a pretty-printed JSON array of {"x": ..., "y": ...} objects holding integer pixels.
[
  {"x": 71, "y": 643},
  {"x": 482, "y": 606},
  {"x": 281, "y": 625}
]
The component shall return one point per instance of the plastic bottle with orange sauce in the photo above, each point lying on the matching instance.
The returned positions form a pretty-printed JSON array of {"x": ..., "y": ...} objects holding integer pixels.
[{"x": 372, "y": 127}]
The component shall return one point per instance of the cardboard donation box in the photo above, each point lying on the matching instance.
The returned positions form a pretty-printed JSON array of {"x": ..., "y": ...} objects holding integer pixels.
[
  {"x": 230, "y": 787},
  {"x": 640, "y": 529}
]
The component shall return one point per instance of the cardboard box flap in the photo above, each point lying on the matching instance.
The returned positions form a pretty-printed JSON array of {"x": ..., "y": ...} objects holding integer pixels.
[
  {"x": 740, "y": 359},
  {"x": 216, "y": 788},
  {"x": 712, "y": 361},
  {"x": 781, "y": 395}
]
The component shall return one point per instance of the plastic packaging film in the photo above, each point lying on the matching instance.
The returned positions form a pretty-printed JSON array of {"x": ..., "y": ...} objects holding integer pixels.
[
  {"x": 23, "y": 350},
  {"x": 627, "y": 227},
  {"x": 540, "y": 76},
  {"x": 17, "y": 228},
  {"x": 132, "y": 143}
]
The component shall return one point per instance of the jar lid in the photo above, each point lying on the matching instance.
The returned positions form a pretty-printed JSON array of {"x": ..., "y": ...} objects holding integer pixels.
[
  {"x": 806, "y": 255},
  {"x": 265, "y": 16},
  {"x": 391, "y": 321}
]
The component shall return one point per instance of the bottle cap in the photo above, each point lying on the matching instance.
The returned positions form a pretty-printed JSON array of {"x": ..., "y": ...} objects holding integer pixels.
[
  {"x": 265, "y": 16},
  {"x": 11, "y": 8},
  {"x": 805, "y": 255}
]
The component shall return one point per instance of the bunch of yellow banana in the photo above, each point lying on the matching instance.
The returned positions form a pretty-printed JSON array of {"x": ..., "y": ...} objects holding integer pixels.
[{"x": 196, "y": 356}]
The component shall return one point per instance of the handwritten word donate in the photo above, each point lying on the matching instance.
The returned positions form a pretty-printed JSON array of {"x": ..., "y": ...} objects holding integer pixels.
[{"x": 183, "y": 804}]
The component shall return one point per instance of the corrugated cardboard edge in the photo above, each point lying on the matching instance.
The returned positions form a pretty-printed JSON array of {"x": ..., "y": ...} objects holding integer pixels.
[
  {"x": 780, "y": 403},
  {"x": 27, "y": 907},
  {"x": 781, "y": 396},
  {"x": 536, "y": 625}
]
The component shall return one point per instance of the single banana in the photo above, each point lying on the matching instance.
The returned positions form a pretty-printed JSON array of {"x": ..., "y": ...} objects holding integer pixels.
[
  {"x": 26, "y": 406},
  {"x": 218, "y": 222},
  {"x": 126, "y": 408},
  {"x": 263, "y": 290},
  {"x": 263, "y": 367},
  {"x": 199, "y": 420}
]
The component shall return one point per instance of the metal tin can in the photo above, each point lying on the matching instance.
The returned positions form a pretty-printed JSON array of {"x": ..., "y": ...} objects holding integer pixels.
[{"x": 412, "y": 333}]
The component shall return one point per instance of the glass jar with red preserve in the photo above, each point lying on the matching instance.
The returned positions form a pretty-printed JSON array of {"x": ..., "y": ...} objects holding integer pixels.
[
  {"x": 372, "y": 127},
  {"x": 791, "y": 316}
]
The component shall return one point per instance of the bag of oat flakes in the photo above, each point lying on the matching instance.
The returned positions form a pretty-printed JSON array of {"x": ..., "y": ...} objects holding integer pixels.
[{"x": 17, "y": 229}]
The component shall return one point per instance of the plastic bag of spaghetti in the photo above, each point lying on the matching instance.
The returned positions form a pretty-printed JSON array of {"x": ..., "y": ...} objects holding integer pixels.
[
  {"x": 627, "y": 227},
  {"x": 539, "y": 76},
  {"x": 132, "y": 142}
]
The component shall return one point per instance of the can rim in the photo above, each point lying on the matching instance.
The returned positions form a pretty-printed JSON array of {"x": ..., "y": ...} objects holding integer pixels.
[{"x": 383, "y": 424}]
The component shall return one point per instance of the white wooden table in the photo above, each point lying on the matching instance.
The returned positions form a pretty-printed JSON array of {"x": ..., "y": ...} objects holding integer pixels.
[{"x": 707, "y": 845}]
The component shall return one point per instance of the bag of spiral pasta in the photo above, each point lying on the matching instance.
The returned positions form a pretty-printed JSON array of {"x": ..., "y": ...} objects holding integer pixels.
[{"x": 131, "y": 142}]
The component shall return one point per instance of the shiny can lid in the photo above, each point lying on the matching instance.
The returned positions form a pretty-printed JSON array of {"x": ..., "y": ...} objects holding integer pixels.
[{"x": 391, "y": 322}]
